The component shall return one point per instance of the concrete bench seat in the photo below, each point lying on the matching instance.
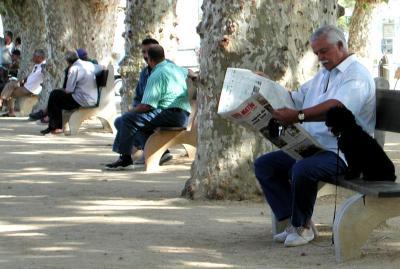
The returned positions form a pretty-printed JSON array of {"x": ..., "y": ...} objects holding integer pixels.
[
  {"x": 167, "y": 137},
  {"x": 105, "y": 110},
  {"x": 358, "y": 216},
  {"x": 25, "y": 105},
  {"x": 378, "y": 189}
]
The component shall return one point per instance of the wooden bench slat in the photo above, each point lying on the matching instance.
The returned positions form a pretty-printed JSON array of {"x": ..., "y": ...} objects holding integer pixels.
[
  {"x": 380, "y": 189},
  {"x": 171, "y": 129}
]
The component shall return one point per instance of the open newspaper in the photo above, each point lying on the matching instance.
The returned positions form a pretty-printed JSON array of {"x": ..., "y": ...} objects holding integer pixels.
[{"x": 249, "y": 99}]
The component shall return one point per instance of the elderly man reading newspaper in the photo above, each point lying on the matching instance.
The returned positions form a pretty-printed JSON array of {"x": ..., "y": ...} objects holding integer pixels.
[{"x": 290, "y": 184}]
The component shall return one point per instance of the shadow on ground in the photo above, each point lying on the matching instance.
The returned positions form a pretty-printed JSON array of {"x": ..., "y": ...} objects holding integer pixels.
[{"x": 59, "y": 209}]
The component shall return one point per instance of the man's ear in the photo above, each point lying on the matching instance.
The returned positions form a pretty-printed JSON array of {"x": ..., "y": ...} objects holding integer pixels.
[{"x": 340, "y": 45}]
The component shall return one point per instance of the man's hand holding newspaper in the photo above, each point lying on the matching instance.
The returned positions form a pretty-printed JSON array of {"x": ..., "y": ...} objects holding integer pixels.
[
  {"x": 286, "y": 116},
  {"x": 260, "y": 104}
]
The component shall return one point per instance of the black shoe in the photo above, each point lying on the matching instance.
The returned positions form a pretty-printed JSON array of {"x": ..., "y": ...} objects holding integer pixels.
[
  {"x": 120, "y": 164},
  {"x": 165, "y": 157},
  {"x": 45, "y": 131},
  {"x": 36, "y": 116}
]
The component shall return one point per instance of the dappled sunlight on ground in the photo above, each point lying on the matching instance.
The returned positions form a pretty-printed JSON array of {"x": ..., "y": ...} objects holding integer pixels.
[{"x": 60, "y": 209}]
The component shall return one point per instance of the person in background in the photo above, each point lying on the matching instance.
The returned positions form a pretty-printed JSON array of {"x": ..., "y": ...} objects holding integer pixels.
[
  {"x": 14, "y": 67},
  {"x": 80, "y": 91},
  {"x": 42, "y": 114},
  {"x": 7, "y": 49},
  {"x": 3, "y": 78},
  {"x": 83, "y": 55},
  {"x": 165, "y": 103},
  {"x": 18, "y": 45},
  {"x": 142, "y": 136},
  {"x": 31, "y": 85}
]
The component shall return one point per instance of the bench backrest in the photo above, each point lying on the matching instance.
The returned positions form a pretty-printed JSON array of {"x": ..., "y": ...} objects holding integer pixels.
[
  {"x": 387, "y": 110},
  {"x": 192, "y": 94},
  {"x": 105, "y": 83},
  {"x": 101, "y": 81},
  {"x": 101, "y": 78}
]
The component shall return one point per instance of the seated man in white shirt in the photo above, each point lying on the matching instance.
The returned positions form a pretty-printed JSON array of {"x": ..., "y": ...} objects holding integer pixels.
[
  {"x": 291, "y": 186},
  {"x": 80, "y": 91},
  {"x": 31, "y": 85}
]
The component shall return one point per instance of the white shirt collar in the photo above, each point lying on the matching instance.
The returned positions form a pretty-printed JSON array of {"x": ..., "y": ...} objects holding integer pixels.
[{"x": 346, "y": 63}]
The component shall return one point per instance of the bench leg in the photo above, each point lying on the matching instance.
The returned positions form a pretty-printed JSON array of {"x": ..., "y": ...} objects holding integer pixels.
[
  {"x": 65, "y": 119},
  {"x": 108, "y": 123},
  {"x": 155, "y": 146},
  {"x": 191, "y": 150},
  {"x": 26, "y": 104},
  {"x": 356, "y": 220},
  {"x": 75, "y": 122}
]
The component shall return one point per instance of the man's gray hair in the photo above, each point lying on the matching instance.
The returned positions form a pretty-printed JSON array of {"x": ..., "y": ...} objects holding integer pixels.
[
  {"x": 40, "y": 52},
  {"x": 332, "y": 33},
  {"x": 71, "y": 56}
]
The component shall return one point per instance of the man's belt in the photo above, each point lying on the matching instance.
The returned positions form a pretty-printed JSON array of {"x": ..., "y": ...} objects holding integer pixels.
[{"x": 175, "y": 109}]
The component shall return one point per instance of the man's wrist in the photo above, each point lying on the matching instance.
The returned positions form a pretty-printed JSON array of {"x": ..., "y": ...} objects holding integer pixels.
[{"x": 300, "y": 116}]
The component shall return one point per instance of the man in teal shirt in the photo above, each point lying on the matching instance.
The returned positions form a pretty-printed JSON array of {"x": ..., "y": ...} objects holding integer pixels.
[{"x": 165, "y": 103}]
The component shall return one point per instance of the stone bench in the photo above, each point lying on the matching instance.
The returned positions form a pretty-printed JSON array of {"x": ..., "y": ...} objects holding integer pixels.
[
  {"x": 374, "y": 203},
  {"x": 167, "y": 137},
  {"x": 25, "y": 105},
  {"x": 105, "y": 110}
]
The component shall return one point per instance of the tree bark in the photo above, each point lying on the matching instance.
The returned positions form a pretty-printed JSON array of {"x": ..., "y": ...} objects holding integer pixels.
[
  {"x": 67, "y": 27},
  {"x": 140, "y": 23},
  {"x": 270, "y": 36},
  {"x": 20, "y": 18},
  {"x": 359, "y": 29},
  {"x": 56, "y": 26}
]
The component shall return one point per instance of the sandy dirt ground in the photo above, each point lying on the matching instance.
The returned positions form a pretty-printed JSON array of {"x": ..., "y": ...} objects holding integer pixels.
[{"x": 60, "y": 210}]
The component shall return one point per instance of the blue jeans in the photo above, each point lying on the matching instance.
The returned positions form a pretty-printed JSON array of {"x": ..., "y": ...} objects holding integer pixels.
[
  {"x": 139, "y": 141},
  {"x": 291, "y": 187},
  {"x": 133, "y": 127}
]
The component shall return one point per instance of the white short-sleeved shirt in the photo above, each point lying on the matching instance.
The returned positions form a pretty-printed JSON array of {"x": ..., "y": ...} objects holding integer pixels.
[
  {"x": 35, "y": 79},
  {"x": 351, "y": 84},
  {"x": 81, "y": 82}
]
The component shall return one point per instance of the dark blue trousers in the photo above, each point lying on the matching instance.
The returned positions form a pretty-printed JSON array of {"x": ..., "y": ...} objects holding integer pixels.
[
  {"x": 139, "y": 141},
  {"x": 132, "y": 123},
  {"x": 291, "y": 187}
]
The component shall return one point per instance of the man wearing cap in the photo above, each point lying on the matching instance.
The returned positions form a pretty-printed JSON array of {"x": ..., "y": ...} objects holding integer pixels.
[
  {"x": 83, "y": 55},
  {"x": 80, "y": 91}
]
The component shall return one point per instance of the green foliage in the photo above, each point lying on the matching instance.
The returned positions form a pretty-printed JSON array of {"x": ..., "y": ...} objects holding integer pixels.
[
  {"x": 347, "y": 3},
  {"x": 344, "y": 22}
]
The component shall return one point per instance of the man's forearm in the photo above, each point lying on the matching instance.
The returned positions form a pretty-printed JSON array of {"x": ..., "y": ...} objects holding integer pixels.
[
  {"x": 318, "y": 112},
  {"x": 289, "y": 116}
]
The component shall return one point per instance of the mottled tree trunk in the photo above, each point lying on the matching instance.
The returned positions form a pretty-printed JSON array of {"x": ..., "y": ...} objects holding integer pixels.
[
  {"x": 56, "y": 26},
  {"x": 360, "y": 28},
  {"x": 21, "y": 17},
  {"x": 146, "y": 18},
  {"x": 271, "y": 36},
  {"x": 72, "y": 24}
]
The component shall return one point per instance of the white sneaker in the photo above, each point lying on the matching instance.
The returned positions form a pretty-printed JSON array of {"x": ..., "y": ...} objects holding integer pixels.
[
  {"x": 301, "y": 237},
  {"x": 281, "y": 237}
]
